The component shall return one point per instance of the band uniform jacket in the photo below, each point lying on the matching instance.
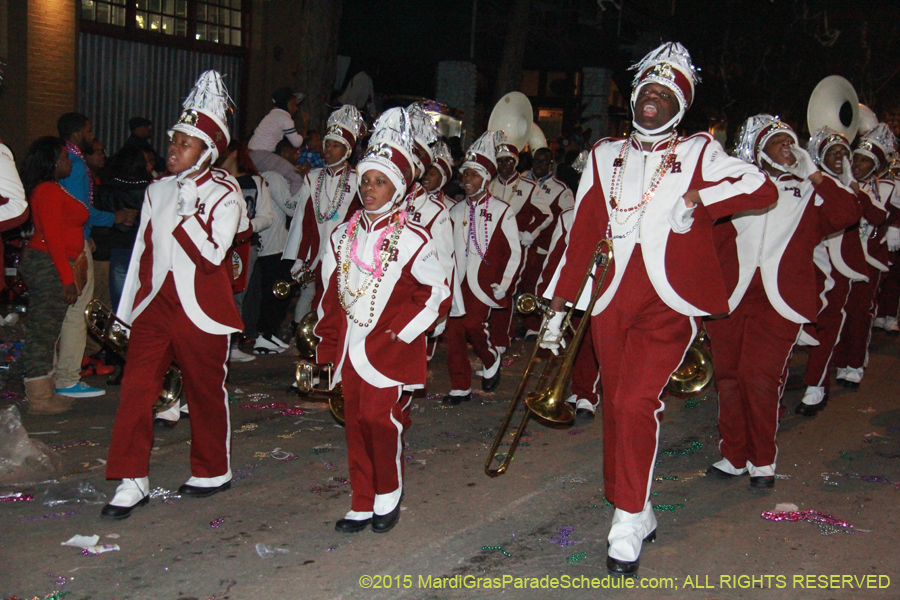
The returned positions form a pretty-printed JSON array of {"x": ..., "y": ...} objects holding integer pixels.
[
  {"x": 310, "y": 231},
  {"x": 407, "y": 301},
  {"x": 495, "y": 221},
  {"x": 532, "y": 214},
  {"x": 196, "y": 250},
  {"x": 682, "y": 267},
  {"x": 555, "y": 251},
  {"x": 556, "y": 195},
  {"x": 431, "y": 214},
  {"x": 883, "y": 193},
  {"x": 780, "y": 241}
]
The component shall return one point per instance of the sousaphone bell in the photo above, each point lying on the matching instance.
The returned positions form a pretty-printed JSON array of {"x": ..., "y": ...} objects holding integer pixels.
[
  {"x": 833, "y": 104},
  {"x": 513, "y": 116}
]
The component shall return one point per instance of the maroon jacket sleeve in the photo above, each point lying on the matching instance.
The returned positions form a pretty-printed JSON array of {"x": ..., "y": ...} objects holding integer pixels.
[{"x": 840, "y": 209}]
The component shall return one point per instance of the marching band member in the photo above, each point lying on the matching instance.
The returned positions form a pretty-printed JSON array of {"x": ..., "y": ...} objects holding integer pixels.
[
  {"x": 558, "y": 197},
  {"x": 385, "y": 287},
  {"x": 426, "y": 209},
  {"x": 331, "y": 196},
  {"x": 533, "y": 217},
  {"x": 488, "y": 253},
  {"x": 656, "y": 195},
  {"x": 889, "y": 294},
  {"x": 176, "y": 299},
  {"x": 767, "y": 259},
  {"x": 869, "y": 165},
  {"x": 840, "y": 262}
]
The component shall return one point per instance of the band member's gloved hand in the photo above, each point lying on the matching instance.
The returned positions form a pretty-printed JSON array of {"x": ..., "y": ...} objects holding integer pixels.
[
  {"x": 680, "y": 219},
  {"x": 439, "y": 328},
  {"x": 553, "y": 338},
  {"x": 804, "y": 167},
  {"x": 298, "y": 266},
  {"x": 188, "y": 197},
  {"x": 847, "y": 173},
  {"x": 526, "y": 239},
  {"x": 893, "y": 239},
  {"x": 499, "y": 294}
]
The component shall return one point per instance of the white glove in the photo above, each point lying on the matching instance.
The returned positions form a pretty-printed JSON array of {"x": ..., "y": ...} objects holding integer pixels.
[
  {"x": 680, "y": 219},
  {"x": 298, "y": 266},
  {"x": 188, "y": 197},
  {"x": 804, "y": 167},
  {"x": 499, "y": 294},
  {"x": 893, "y": 239},
  {"x": 439, "y": 328},
  {"x": 553, "y": 339},
  {"x": 847, "y": 173},
  {"x": 525, "y": 238}
]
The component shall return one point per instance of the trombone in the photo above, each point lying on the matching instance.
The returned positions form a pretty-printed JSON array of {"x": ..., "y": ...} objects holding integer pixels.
[
  {"x": 282, "y": 288},
  {"x": 308, "y": 372},
  {"x": 106, "y": 326},
  {"x": 547, "y": 401}
]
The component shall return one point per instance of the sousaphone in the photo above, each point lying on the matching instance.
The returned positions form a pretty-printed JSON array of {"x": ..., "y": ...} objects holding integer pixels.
[
  {"x": 536, "y": 139},
  {"x": 834, "y": 104},
  {"x": 513, "y": 116},
  {"x": 867, "y": 120}
]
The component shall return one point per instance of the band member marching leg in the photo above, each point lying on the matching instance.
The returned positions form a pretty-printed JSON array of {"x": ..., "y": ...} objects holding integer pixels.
[
  {"x": 385, "y": 287},
  {"x": 656, "y": 196},
  {"x": 768, "y": 257},
  {"x": 840, "y": 263},
  {"x": 173, "y": 300},
  {"x": 486, "y": 243}
]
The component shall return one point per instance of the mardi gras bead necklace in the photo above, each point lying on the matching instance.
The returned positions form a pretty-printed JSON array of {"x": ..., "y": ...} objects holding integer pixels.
[
  {"x": 339, "y": 194},
  {"x": 473, "y": 235},
  {"x": 623, "y": 215},
  {"x": 383, "y": 251}
]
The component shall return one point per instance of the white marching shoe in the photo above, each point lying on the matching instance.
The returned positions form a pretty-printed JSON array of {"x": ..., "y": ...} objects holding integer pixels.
[
  {"x": 628, "y": 533},
  {"x": 130, "y": 494},
  {"x": 268, "y": 345}
]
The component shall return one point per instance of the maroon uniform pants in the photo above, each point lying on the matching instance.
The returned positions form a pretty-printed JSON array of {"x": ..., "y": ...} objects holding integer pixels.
[
  {"x": 639, "y": 341},
  {"x": 889, "y": 295},
  {"x": 751, "y": 351},
  {"x": 829, "y": 323},
  {"x": 861, "y": 309},
  {"x": 470, "y": 328},
  {"x": 161, "y": 333},
  {"x": 585, "y": 372},
  {"x": 375, "y": 421}
]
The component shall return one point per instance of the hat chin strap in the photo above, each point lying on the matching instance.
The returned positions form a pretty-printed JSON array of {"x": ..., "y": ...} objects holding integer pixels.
[
  {"x": 765, "y": 157},
  {"x": 662, "y": 128},
  {"x": 196, "y": 167},
  {"x": 343, "y": 158}
]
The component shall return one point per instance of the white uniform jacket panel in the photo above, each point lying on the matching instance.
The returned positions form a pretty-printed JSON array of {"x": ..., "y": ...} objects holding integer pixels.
[
  {"x": 780, "y": 240},
  {"x": 532, "y": 212},
  {"x": 489, "y": 230},
  {"x": 407, "y": 301},
  {"x": 881, "y": 192},
  {"x": 273, "y": 239},
  {"x": 193, "y": 250},
  {"x": 558, "y": 197},
  {"x": 682, "y": 267},
  {"x": 431, "y": 214},
  {"x": 321, "y": 208},
  {"x": 10, "y": 187},
  {"x": 555, "y": 253}
]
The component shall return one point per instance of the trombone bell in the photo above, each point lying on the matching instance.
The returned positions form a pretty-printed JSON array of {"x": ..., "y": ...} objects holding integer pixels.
[
  {"x": 528, "y": 303},
  {"x": 306, "y": 375}
]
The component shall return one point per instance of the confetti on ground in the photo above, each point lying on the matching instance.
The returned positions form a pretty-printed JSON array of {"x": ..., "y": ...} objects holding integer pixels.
[
  {"x": 870, "y": 478},
  {"x": 666, "y": 478},
  {"x": 576, "y": 557},
  {"x": 216, "y": 523},
  {"x": 576, "y": 431},
  {"x": 845, "y": 454},
  {"x": 334, "y": 484},
  {"x": 99, "y": 549},
  {"x": 17, "y": 497},
  {"x": 828, "y": 524},
  {"x": 163, "y": 494},
  {"x": 500, "y": 548},
  {"x": 67, "y": 445},
  {"x": 667, "y": 507},
  {"x": 246, "y": 427},
  {"x": 691, "y": 403},
  {"x": 689, "y": 450},
  {"x": 562, "y": 540},
  {"x": 62, "y": 515}
]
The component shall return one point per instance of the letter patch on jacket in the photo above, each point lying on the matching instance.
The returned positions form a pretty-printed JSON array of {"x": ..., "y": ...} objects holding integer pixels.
[{"x": 487, "y": 216}]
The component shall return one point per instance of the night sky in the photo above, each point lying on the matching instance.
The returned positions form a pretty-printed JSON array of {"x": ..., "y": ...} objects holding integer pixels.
[{"x": 755, "y": 55}]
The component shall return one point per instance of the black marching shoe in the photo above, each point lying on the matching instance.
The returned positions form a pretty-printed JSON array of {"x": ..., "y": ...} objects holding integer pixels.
[
  {"x": 625, "y": 568},
  {"x": 762, "y": 481},
  {"x": 351, "y": 525},
  {"x": 193, "y": 491},
  {"x": 455, "y": 400},
  {"x": 384, "y": 523},
  {"x": 584, "y": 414},
  {"x": 111, "y": 511},
  {"x": 489, "y": 384},
  {"x": 811, "y": 410}
]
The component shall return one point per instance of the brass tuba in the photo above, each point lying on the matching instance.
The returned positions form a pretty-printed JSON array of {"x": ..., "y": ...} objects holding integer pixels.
[
  {"x": 833, "y": 103},
  {"x": 109, "y": 328},
  {"x": 548, "y": 399},
  {"x": 691, "y": 377},
  {"x": 308, "y": 372}
]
